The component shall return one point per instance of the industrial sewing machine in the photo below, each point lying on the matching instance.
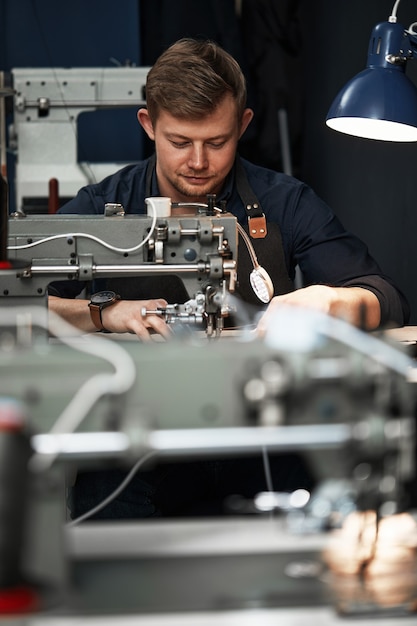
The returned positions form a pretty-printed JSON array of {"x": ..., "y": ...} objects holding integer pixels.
[
  {"x": 44, "y": 135},
  {"x": 202, "y": 250}
]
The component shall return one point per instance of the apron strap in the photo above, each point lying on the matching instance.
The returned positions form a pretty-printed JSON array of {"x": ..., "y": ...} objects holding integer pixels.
[
  {"x": 269, "y": 250},
  {"x": 256, "y": 217}
]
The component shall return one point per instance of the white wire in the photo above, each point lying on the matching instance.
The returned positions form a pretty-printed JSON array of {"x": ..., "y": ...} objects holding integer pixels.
[
  {"x": 393, "y": 16},
  {"x": 411, "y": 28},
  {"x": 96, "y": 387},
  {"x": 248, "y": 244},
  {"x": 267, "y": 469},
  {"x": 247, "y": 241},
  {"x": 139, "y": 463},
  {"x": 93, "y": 238},
  {"x": 116, "y": 492}
]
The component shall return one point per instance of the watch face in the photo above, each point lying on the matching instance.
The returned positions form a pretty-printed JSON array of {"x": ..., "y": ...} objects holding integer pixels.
[{"x": 102, "y": 297}]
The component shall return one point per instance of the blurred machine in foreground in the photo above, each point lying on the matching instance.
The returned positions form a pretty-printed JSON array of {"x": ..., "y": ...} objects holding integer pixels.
[{"x": 313, "y": 384}]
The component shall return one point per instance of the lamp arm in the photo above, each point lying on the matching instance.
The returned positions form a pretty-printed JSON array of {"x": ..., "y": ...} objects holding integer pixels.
[{"x": 412, "y": 41}]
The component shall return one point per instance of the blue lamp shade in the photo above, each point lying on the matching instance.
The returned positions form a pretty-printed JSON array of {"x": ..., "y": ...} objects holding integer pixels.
[{"x": 380, "y": 102}]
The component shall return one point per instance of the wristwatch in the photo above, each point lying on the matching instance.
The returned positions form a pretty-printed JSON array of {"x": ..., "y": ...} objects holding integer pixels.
[{"x": 98, "y": 302}]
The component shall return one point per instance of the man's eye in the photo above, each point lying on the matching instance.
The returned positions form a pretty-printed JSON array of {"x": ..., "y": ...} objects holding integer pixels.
[
  {"x": 179, "y": 144},
  {"x": 217, "y": 145}
]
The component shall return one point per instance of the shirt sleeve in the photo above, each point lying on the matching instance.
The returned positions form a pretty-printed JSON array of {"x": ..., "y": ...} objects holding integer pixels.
[
  {"x": 329, "y": 254},
  {"x": 395, "y": 310},
  {"x": 66, "y": 288}
]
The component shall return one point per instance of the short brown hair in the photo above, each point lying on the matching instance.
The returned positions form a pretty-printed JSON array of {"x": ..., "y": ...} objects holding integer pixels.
[{"x": 191, "y": 78}]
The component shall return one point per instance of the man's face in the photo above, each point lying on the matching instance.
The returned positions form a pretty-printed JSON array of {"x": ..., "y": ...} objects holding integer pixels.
[{"x": 194, "y": 157}]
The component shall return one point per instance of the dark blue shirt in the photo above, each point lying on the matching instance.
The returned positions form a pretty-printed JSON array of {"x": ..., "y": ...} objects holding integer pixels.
[{"x": 312, "y": 236}]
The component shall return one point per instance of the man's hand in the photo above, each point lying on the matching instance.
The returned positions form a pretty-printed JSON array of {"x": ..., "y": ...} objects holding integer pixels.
[
  {"x": 356, "y": 305},
  {"x": 125, "y": 316}
]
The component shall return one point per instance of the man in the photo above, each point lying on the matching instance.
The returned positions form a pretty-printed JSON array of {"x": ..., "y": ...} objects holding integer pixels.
[{"x": 196, "y": 112}]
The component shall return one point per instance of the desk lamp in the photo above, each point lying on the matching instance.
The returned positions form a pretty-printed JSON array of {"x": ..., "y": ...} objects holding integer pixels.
[{"x": 381, "y": 101}]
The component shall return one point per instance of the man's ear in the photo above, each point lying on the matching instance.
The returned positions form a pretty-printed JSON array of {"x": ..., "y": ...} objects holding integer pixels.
[
  {"x": 246, "y": 120},
  {"x": 146, "y": 123}
]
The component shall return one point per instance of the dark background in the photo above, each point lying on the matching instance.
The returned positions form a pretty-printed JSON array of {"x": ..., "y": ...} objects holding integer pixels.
[{"x": 296, "y": 54}]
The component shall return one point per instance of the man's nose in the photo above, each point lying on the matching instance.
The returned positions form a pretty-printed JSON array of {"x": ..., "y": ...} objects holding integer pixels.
[{"x": 197, "y": 158}]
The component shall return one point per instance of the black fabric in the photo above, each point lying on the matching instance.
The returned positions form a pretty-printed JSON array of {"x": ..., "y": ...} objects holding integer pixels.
[
  {"x": 171, "y": 288},
  {"x": 163, "y": 22},
  {"x": 272, "y": 33},
  {"x": 384, "y": 291}
]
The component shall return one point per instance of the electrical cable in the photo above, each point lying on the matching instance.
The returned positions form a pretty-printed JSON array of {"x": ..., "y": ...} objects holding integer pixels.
[
  {"x": 393, "y": 16},
  {"x": 260, "y": 280},
  {"x": 93, "y": 238},
  {"x": 114, "y": 494},
  {"x": 267, "y": 469},
  {"x": 268, "y": 476},
  {"x": 139, "y": 463}
]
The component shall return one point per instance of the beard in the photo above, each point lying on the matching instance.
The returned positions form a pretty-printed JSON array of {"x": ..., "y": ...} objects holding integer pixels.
[{"x": 195, "y": 192}]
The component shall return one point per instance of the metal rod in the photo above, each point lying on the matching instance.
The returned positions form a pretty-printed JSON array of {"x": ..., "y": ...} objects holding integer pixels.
[
  {"x": 189, "y": 441},
  {"x": 110, "y": 270}
]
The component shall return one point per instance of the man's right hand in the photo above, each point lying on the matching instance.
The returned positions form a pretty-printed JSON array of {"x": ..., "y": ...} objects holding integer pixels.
[{"x": 125, "y": 316}]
